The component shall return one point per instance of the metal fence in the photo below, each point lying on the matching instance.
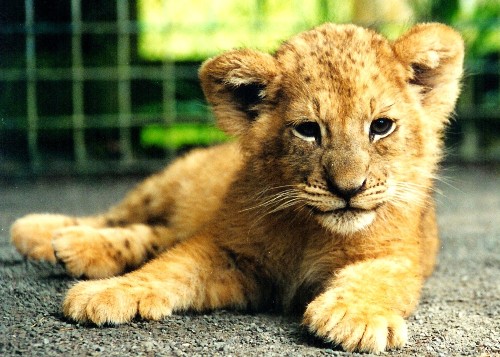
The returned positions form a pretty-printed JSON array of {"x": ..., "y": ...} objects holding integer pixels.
[{"x": 47, "y": 125}]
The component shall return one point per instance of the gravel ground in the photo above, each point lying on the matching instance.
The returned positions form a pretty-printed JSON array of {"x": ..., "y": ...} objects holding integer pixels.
[{"x": 459, "y": 313}]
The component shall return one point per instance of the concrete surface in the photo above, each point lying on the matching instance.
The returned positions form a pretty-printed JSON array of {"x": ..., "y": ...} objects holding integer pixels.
[{"x": 459, "y": 313}]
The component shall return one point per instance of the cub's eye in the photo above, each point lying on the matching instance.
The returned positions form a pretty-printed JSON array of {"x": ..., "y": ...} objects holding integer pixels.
[
  {"x": 381, "y": 127},
  {"x": 308, "y": 131}
]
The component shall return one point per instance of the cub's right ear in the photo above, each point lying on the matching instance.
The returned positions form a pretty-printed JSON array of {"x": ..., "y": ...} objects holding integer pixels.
[
  {"x": 237, "y": 85},
  {"x": 434, "y": 54}
]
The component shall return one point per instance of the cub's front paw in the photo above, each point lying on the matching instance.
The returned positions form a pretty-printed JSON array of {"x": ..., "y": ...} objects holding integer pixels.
[
  {"x": 86, "y": 251},
  {"x": 355, "y": 325},
  {"x": 32, "y": 234},
  {"x": 115, "y": 301}
]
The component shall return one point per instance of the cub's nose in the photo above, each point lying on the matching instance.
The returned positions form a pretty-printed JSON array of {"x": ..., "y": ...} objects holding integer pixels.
[{"x": 345, "y": 190}]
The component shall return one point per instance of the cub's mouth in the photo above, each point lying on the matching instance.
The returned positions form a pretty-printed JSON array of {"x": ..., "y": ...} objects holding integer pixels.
[
  {"x": 346, "y": 220},
  {"x": 345, "y": 210}
]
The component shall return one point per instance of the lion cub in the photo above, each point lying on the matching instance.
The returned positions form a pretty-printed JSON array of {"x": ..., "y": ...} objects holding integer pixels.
[{"x": 323, "y": 202}]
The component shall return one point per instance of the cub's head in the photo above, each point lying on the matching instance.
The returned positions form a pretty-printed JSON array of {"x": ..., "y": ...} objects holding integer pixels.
[{"x": 340, "y": 121}]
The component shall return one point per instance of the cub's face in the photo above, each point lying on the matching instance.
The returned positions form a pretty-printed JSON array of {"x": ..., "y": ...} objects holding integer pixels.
[{"x": 339, "y": 121}]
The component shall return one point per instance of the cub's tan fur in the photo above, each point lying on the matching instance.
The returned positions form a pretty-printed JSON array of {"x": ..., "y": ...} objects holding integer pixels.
[{"x": 324, "y": 202}]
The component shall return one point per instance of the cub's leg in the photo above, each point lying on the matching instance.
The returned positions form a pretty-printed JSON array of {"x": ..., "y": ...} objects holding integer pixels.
[
  {"x": 196, "y": 274},
  {"x": 364, "y": 307},
  {"x": 89, "y": 246},
  {"x": 32, "y": 235},
  {"x": 104, "y": 252},
  {"x": 86, "y": 246}
]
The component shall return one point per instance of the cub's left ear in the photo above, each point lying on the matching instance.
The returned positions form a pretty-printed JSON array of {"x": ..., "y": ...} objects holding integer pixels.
[
  {"x": 434, "y": 55},
  {"x": 237, "y": 85}
]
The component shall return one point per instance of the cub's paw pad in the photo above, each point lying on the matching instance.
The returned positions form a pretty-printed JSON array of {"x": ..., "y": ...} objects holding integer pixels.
[
  {"x": 85, "y": 252},
  {"x": 32, "y": 234},
  {"x": 356, "y": 328},
  {"x": 114, "y": 301},
  {"x": 99, "y": 302}
]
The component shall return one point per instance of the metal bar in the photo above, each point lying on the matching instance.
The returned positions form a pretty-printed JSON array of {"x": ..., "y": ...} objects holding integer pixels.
[
  {"x": 164, "y": 72},
  {"x": 168, "y": 87},
  {"x": 40, "y": 28},
  {"x": 31, "y": 105},
  {"x": 93, "y": 121},
  {"x": 124, "y": 97},
  {"x": 168, "y": 97},
  {"x": 77, "y": 71}
]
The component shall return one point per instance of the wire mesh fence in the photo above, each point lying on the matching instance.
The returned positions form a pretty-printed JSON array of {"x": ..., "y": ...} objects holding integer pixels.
[{"x": 77, "y": 97}]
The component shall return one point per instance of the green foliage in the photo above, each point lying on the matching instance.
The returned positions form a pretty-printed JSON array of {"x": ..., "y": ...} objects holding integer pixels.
[
  {"x": 483, "y": 37},
  {"x": 477, "y": 20},
  {"x": 172, "y": 30},
  {"x": 180, "y": 135},
  {"x": 445, "y": 11}
]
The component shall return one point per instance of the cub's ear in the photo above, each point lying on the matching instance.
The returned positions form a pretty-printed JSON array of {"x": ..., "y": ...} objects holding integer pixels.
[
  {"x": 434, "y": 55},
  {"x": 236, "y": 84}
]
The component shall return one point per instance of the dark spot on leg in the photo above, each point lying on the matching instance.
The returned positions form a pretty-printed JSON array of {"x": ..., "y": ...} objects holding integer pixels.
[
  {"x": 121, "y": 222},
  {"x": 117, "y": 255},
  {"x": 127, "y": 244},
  {"x": 111, "y": 222},
  {"x": 157, "y": 221}
]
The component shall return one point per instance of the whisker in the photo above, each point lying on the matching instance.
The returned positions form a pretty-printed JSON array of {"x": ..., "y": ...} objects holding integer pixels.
[
  {"x": 269, "y": 203},
  {"x": 419, "y": 186},
  {"x": 269, "y": 189},
  {"x": 407, "y": 192},
  {"x": 448, "y": 181},
  {"x": 285, "y": 205},
  {"x": 273, "y": 200}
]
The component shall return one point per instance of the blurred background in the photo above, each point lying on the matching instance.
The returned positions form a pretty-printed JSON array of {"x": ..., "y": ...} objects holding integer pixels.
[{"x": 91, "y": 87}]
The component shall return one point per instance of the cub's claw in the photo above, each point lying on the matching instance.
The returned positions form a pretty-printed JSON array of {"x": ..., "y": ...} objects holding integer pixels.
[
  {"x": 355, "y": 326},
  {"x": 114, "y": 301}
]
